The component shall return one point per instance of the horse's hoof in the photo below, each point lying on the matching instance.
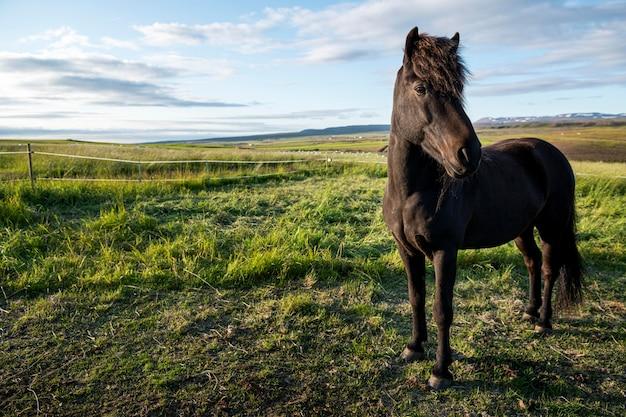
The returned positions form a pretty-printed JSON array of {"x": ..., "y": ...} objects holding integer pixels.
[
  {"x": 542, "y": 330},
  {"x": 438, "y": 383},
  {"x": 410, "y": 355},
  {"x": 529, "y": 317}
]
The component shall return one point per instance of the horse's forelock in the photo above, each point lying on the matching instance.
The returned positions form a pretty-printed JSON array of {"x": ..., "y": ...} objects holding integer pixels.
[{"x": 437, "y": 62}]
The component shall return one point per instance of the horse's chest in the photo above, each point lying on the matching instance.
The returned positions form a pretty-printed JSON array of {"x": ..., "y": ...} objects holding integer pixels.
[
  {"x": 418, "y": 219},
  {"x": 418, "y": 223},
  {"x": 423, "y": 225}
]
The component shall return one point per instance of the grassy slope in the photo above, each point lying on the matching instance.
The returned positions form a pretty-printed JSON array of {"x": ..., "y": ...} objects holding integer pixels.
[{"x": 280, "y": 296}]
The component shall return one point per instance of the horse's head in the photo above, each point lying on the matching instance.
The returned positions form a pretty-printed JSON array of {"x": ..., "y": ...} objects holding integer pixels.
[{"x": 428, "y": 103}]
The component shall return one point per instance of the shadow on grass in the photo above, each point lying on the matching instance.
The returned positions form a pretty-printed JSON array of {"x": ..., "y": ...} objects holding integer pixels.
[
  {"x": 543, "y": 381},
  {"x": 249, "y": 351}
]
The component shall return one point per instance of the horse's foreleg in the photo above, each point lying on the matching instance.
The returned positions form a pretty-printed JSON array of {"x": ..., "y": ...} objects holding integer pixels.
[
  {"x": 532, "y": 259},
  {"x": 415, "y": 270},
  {"x": 444, "y": 262}
]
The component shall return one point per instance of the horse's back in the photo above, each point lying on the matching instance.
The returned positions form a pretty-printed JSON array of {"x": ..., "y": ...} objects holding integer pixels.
[
  {"x": 538, "y": 158},
  {"x": 538, "y": 147}
]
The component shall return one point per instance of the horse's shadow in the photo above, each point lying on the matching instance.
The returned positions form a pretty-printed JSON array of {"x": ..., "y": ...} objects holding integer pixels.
[{"x": 540, "y": 381}]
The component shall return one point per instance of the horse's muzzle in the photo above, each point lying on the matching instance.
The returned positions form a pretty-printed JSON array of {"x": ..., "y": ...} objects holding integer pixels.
[{"x": 468, "y": 161}]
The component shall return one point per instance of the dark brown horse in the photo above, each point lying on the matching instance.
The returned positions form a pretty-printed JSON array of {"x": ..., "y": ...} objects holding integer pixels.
[{"x": 445, "y": 193}]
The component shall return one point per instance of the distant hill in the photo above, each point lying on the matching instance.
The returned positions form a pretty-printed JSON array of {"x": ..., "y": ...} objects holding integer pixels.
[
  {"x": 559, "y": 119},
  {"x": 329, "y": 131}
]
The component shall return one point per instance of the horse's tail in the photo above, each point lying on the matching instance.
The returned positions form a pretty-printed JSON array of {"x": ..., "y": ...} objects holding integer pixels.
[{"x": 571, "y": 271}]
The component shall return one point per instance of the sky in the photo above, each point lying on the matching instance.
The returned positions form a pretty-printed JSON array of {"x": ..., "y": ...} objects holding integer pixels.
[{"x": 127, "y": 71}]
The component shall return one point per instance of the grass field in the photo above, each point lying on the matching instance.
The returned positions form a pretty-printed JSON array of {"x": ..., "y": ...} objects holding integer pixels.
[{"x": 277, "y": 295}]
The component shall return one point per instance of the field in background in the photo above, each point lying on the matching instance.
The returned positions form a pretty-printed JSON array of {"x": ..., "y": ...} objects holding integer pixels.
[
  {"x": 230, "y": 293},
  {"x": 591, "y": 143}
]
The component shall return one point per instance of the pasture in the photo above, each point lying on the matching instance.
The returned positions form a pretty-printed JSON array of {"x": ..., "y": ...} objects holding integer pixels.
[{"x": 277, "y": 290}]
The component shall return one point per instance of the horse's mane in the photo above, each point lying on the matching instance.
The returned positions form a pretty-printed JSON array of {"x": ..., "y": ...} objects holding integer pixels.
[{"x": 437, "y": 63}]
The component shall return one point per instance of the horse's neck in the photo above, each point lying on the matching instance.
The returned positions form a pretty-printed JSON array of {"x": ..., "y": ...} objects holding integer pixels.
[{"x": 410, "y": 169}]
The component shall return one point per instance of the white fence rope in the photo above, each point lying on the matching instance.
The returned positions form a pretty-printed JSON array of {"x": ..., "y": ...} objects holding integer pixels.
[
  {"x": 586, "y": 174},
  {"x": 356, "y": 161},
  {"x": 165, "y": 179},
  {"x": 185, "y": 161},
  {"x": 234, "y": 177},
  {"x": 581, "y": 174}
]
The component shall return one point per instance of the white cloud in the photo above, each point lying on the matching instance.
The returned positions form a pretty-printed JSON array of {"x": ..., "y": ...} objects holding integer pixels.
[
  {"x": 65, "y": 38},
  {"x": 60, "y": 38},
  {"x": 350, "y": 31},
  {"x": 105, "y": 79},
  {"x": 336, "y": 52},
  {"x": 584, "y": 41},
  {"x": 118, "y": 43},
  {"x": 219, "y": 69},
  {"x": 165, "y": 34},
  {"x": 543, "y": 84},
  {"x": 55, "y": 63},
  {"x": 316, "y": 114},
  {"x": 380, "y": 26},
  {"x": 242, "y": 36},
  {"x": 72, "y": 69}
]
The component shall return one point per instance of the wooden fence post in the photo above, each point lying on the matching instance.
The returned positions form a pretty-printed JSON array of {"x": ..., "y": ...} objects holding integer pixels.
[{"x": 30, "y": 165}]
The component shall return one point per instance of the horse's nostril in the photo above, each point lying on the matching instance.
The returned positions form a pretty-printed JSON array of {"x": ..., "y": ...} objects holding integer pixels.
[{"x": 464, "y": 155}]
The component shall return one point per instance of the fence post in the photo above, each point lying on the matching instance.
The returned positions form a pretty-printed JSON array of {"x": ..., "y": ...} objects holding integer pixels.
[
  {"x": 30, "y": 165},
  {"x": 139, "y": 170}
]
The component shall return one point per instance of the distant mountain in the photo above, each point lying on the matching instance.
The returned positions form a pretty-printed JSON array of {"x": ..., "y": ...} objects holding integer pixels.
[
  {"x": 329, "y": 131},
  {"x": 592, "y": 118}
]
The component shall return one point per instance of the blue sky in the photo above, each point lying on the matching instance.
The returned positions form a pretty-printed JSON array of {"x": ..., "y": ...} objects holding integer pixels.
[{"x": 149, "y": 70}]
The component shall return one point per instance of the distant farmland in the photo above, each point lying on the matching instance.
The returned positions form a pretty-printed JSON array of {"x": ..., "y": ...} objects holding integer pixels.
[{"x": 578, "y": 142}]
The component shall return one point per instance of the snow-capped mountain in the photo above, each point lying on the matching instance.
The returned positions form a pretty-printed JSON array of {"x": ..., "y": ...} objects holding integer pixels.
[{"x": 559, "y": 118}]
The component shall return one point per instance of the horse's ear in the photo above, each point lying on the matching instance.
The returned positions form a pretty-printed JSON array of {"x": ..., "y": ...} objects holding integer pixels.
[
  {"x": 455, "y": 41},
  {"x": 411, "y": 42}
]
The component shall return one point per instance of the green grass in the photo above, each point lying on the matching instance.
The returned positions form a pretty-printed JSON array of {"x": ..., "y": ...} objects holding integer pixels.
[{"x": 282, "y": 295}]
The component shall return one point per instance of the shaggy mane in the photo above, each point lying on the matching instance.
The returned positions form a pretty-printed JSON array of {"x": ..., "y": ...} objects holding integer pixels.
[{"x": 437, "y": 63}]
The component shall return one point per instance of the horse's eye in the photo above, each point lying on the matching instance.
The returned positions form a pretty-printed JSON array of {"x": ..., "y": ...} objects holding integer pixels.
[{"x": 420, "y": 89}]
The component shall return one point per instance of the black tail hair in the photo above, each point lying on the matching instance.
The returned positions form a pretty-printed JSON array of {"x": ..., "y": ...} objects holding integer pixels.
[{"x": 571, "y": 272}]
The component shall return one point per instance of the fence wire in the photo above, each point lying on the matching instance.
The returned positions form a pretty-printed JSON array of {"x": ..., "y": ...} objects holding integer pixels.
[
  {"x": 203, "y": 161},
  {"x": 233, "y": 177},
  {"x": 183, "y": 161}
]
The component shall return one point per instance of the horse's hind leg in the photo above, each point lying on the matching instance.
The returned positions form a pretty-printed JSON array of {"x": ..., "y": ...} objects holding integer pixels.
[
  {"x": 532, "y": 258},
  {"x": 550, "y": 265}
]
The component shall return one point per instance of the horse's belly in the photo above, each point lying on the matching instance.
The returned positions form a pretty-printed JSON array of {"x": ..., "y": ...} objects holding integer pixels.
[
  {"x": 472, "y": 242},
  {"x": 487, "y": 231}
]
